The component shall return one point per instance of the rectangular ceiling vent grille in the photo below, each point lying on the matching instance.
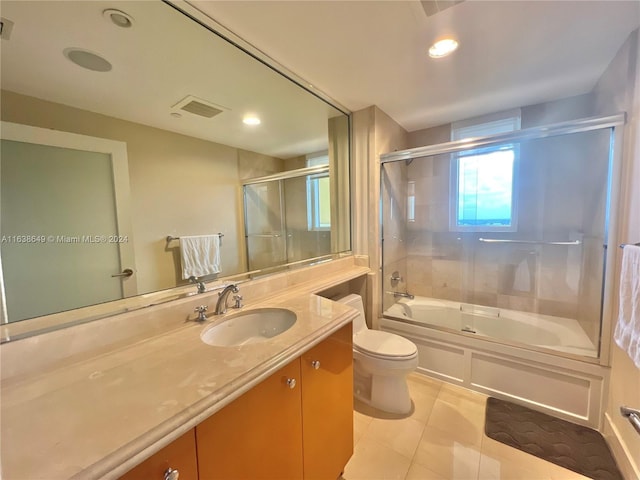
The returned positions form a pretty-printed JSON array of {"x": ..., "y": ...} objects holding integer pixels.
[
  {"x": 198, "y": 106},
  {"x": 431, "y": 7}
]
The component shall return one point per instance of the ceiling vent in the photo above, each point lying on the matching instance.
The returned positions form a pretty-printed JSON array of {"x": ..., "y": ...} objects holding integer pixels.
[
  {"x": 431, "y": 7},
  {"x": 5, "y": 28},
  {"x": 198, "y": 106}
]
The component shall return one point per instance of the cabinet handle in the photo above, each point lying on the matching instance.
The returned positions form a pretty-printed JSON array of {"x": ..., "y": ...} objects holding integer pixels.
[
  {"x": 315, "y": 364},
  {"x": 291, "y": 382},
  {"x": 171, "y": 474}
]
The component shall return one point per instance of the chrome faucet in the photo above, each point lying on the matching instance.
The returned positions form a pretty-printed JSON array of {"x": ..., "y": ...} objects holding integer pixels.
[
  {"x": 221, "y": 306},
  {"x": 403, "y": 294},
  {"x": 201, "y": 287}
]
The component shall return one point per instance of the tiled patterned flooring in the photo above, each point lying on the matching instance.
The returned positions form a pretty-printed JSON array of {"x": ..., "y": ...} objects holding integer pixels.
[{"x": 443, "y": 439}]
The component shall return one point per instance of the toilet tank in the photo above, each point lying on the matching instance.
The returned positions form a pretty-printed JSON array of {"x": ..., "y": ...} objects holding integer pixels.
[{"x": 355, "y": 301}]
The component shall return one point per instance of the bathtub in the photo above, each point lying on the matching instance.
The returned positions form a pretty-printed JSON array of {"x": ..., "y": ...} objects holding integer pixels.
[
  {"x": 511, "y": 326},
  {"x": 544, "y": 362}
]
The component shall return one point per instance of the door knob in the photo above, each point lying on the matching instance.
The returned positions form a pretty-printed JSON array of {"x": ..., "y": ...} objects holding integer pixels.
[
  {"x": 315, "y": 364},
  {"x": 291, "y": 382}
]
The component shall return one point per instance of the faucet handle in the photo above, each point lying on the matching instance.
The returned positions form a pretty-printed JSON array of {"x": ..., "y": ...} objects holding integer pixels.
[
  {"x": 238, "y": 300},
  {"x": 200, "y": 310}
]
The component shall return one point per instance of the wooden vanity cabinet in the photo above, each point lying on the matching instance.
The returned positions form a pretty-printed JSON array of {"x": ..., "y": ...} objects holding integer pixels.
[
  {"x": 327, "y": 406},
  {"x": 257, "y": 436},
  {"x": 179, "y": 455},
  {"x": 278, "y": 430}
]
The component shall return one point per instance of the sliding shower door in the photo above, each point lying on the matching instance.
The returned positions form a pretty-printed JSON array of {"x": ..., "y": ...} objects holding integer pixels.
[
  {"x": 287, "y": 217},
  {"x": 506, "y": 240},
  {"x": 308, "y": 219},
  {"x": 265, "y": 225}
]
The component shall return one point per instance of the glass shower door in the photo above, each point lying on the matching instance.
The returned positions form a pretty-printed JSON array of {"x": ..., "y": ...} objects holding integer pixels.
[
  {"x": 504, "y": 241},
  {"x": 288, "y": 217},
  {"x": 308, "y": 226},
  {"x": 265, "y": 224}
]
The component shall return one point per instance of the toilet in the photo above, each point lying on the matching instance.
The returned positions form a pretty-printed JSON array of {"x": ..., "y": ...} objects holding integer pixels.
[{"x": 381, "y": 363}]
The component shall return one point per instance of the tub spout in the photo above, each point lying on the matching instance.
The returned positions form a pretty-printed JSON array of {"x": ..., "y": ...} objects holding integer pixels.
[{"x": 402, "y": 294}]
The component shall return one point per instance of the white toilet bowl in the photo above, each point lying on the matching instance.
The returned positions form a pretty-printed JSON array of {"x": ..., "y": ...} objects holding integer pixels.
[{"x": 381, "y": 363}]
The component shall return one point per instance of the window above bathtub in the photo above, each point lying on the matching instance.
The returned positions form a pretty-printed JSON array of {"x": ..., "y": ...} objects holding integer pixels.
[
  {"x": 484, "y": 180},
  {"x": 318, "y": 194}
]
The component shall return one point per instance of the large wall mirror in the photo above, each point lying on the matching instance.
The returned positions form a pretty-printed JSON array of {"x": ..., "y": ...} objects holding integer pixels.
[{"x": 131, "y": 133}]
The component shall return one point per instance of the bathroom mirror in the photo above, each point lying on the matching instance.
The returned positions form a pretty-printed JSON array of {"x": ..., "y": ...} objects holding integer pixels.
[{"x": 127, "y": 125}]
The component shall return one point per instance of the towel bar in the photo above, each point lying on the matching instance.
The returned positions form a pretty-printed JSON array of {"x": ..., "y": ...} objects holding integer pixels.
[
  {"x": 632, "y": 415},
  {"x": 171, "y": 238},
  {"x": 622, "y": 245}
]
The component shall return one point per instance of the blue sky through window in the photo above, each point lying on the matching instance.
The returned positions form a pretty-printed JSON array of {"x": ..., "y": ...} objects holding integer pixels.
[{"x": 485, "y": 188}]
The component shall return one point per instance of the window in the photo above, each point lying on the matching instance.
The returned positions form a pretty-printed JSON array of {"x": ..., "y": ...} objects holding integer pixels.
[
  {"x": 411, "y": 201},
  {"x": 483, "y": 180},
  {"x": 318, "y": 195}
]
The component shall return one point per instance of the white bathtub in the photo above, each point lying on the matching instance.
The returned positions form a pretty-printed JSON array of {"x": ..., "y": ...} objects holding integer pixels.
[
  {"x": 511, "y": 326},
  {"x": 547, "y": 363}
]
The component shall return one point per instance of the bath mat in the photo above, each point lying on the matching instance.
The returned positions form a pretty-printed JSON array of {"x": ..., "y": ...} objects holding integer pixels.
[{"x": 571, "y": 446}]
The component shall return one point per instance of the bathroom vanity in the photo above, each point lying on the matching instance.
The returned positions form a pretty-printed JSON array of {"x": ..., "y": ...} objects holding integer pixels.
[
  {"x": 152, "y": 400},
  {"x": 297, "y": 423}
]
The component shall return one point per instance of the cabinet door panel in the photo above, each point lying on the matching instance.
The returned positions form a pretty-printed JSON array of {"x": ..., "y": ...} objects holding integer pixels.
[
  {"x": 327, "y": 406},
  {"x": 257, "y": 436},
  {"x": 179, "y": 455}
]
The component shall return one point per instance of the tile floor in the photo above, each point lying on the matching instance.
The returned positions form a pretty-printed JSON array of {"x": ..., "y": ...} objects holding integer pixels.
[{"x": 443, "y": 439}]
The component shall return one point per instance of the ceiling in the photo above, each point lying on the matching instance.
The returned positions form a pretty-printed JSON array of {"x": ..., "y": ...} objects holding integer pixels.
[
  {"x": 160, "y": 60},
  {"x": 362, "y": 53}
]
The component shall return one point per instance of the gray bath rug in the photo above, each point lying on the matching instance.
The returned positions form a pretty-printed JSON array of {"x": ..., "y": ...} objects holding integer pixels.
[{"x": 571, "y": 446}]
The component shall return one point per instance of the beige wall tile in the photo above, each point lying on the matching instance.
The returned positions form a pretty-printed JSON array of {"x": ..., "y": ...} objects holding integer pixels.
[
  {"x": 513, "y": 302},
  {"x": 557, "y": 309}
]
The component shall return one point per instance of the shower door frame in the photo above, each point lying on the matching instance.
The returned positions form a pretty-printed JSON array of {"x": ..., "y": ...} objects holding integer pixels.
[
  {"x": 611, "y": 122},
  {"x": 278, "y": 177}
]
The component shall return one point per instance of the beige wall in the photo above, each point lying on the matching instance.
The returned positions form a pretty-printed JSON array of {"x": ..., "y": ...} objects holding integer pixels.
[
  {"x": 375, "y": 133},
  {"x": 619, "y": 90},
  {"x": 179, "y": 185}
]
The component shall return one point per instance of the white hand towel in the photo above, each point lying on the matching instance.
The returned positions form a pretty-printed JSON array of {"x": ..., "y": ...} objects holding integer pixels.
[
  {"x": 627, "y": 334},
  {"x": 200, "y": 255}
]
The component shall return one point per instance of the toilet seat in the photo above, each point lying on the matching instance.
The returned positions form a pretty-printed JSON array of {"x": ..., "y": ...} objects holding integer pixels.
[{"x": 384, "y": 345}]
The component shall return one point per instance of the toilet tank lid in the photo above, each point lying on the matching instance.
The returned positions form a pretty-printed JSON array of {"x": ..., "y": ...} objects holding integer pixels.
[
  {"x": 352, "y": 299},
  {"x": 385, "y": 344}
]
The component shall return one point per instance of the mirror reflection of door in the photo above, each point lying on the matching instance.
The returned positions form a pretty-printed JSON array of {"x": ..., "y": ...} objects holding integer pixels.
[{"x": 64, "y": 240}]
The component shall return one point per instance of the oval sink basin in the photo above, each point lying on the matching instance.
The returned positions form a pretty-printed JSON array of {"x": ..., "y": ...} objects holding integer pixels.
[{"x": 253, "y": 326}]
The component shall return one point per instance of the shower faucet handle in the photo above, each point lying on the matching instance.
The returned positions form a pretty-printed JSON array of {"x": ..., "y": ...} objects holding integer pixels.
[{"x": 395, "y": 277}]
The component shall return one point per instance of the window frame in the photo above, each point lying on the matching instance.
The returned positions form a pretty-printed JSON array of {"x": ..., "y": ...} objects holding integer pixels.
[
  {"x": 454, "y": 204},
  {"x": 313, "y": 193},
  {"x": 482, "y": 126},
  {"x": 313, "y": 204}
]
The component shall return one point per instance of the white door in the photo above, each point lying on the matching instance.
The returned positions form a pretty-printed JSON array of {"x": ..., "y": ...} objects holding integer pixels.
[{"x": 64, "y": 221}]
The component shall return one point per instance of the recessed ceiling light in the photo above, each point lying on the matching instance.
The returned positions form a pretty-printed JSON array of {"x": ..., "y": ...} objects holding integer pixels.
[
  {"x": 442, "y": 48},
  {"x": 251, "y": 120},
  {"x": 88, "y": 60},
  {"x": 118, "y": 18}
]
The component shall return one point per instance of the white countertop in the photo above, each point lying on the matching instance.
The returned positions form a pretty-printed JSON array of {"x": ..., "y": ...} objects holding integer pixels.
[{"x": 99, "y": 416}]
